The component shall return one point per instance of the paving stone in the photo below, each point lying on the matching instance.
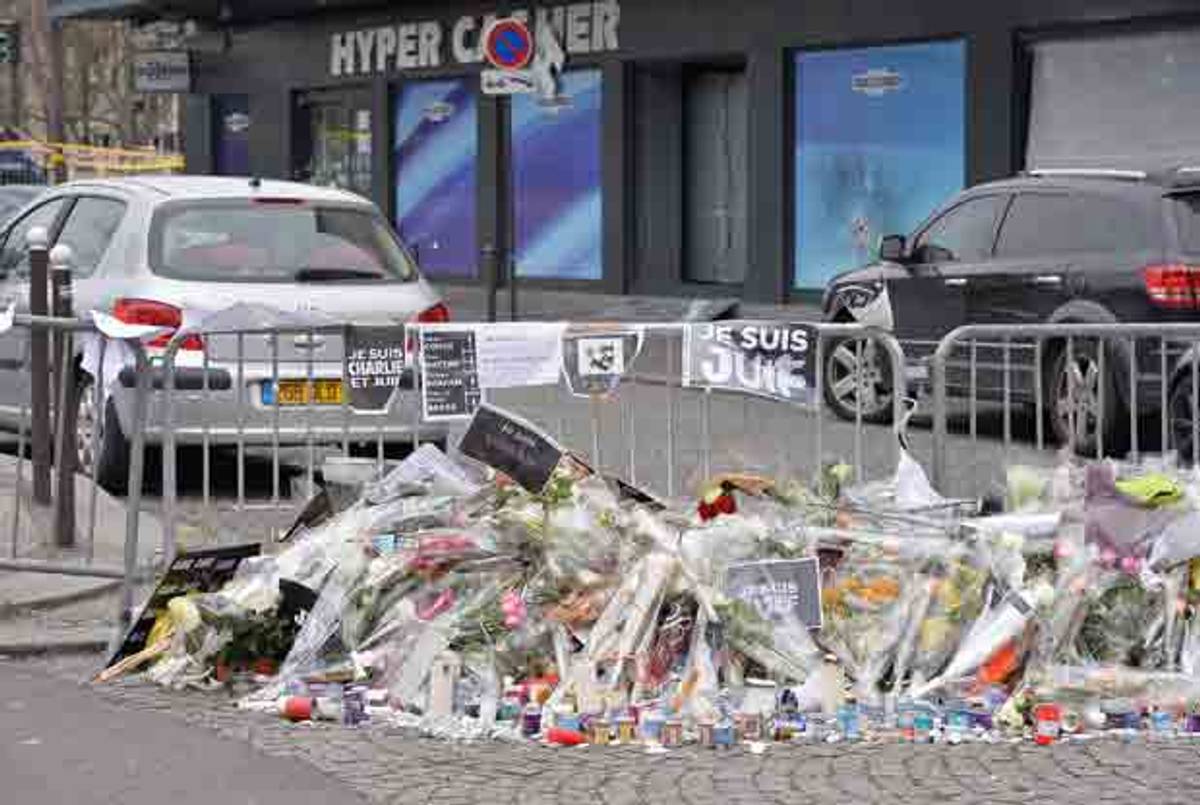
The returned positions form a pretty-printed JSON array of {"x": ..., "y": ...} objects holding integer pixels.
[{"x": 389, "y": 766}]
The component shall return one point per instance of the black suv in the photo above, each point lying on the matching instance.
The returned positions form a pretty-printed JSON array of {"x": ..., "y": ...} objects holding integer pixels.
[{"x": 1082, "y": 246}]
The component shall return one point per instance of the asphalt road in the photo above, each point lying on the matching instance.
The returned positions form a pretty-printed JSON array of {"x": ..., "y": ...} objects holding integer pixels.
[
  {"x": 635, "y": 436},
  {"x": 61, "y": 744}
]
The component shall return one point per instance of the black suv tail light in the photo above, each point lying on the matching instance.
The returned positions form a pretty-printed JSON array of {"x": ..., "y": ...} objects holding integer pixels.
[{"x": 1174, "y": 286}]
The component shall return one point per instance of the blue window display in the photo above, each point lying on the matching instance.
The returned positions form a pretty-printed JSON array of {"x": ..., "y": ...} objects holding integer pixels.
[
  {"x": 231, "y": 146},
  {"x": 556, "y": 175},
  {"x": 436, "y": 143},
  {"x": 880, "y": 142}
]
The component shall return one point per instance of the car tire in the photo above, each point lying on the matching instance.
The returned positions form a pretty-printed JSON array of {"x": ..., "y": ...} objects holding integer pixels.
[
  {"x": 842, "y": 390},
  {"x": 1179, "y": 409},
  {"x": 108, "y": 462},
  {"x": 1073, "y": 401}
]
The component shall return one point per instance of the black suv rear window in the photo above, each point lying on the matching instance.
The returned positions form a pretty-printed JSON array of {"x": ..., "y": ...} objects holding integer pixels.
[
  {"x": 1040, "y": 224},
  {"x": 1187, "y": 213}
]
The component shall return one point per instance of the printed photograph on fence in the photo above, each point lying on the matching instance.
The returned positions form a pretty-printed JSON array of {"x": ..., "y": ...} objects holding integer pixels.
[
  {"x": 596, "y": 359},
  {"x": 768, "y": 359}
]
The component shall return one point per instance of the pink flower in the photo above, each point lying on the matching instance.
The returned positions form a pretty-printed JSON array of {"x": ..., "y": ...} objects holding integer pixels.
[
  {"x": 513, "y": 607},
  {"x": 1131, "y": 565},
  {"x": 443, "y": 602},
  {"x": 1108, "y": 557}
]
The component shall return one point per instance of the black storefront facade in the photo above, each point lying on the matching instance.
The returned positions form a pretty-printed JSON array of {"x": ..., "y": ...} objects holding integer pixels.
[{"x": 693, "y": 146}]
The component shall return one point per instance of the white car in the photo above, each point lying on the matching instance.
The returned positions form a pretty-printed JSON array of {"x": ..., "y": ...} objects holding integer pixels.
[{"x": 172, "y": 250}]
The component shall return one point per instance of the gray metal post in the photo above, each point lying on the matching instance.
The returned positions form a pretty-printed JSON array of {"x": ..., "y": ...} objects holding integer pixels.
[
  {"x": 511, "y": 263},
  {"x": 170, "y": 453},
  {"x": 133, "y": 504},
  {"x": 38, "y": 241},
  {"x": 64, "y": 509},
  {"x": 491, "y": 277},
  {"x": 938, "y": 375}
]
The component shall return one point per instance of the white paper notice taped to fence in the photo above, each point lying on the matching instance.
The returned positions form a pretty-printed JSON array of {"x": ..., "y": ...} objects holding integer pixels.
[
  {"x": 769, "y": 359},
  {"x": 513, "y": 354}
]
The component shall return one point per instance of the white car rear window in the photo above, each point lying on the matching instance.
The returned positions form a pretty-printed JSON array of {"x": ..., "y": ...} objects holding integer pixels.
[{"x": 276, "y": 241}]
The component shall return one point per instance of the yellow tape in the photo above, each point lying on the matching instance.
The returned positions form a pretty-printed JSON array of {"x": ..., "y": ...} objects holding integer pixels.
[
  {"x": 98, "y": 158},
  {"x": 41, "y": 145}
]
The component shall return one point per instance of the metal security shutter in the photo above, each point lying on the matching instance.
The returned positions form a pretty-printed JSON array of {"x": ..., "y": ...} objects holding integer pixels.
[{"x": 1125, "y": 101}]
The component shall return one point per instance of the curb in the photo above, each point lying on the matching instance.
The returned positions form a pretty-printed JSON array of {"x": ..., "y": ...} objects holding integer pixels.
[
  {"x": 12, "y": 609},
  {"x": 82, "y": 645}
]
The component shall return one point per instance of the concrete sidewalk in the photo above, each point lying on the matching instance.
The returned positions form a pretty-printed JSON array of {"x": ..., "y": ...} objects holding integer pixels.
[
  {"x": 469, "y": 303},
  {"x": 26, "y": 598}
]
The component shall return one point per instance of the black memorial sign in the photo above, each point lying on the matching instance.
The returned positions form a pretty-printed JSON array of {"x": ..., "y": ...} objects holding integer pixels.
[
  {"x": 450, "y": 374},
  {"x": 375, "y": 365},
  {"x": 779, "y": 589},
  {"x": 511, "y": 446},
  {"x": 771, "y": 359},
  {"x": 191, "y": 572}
]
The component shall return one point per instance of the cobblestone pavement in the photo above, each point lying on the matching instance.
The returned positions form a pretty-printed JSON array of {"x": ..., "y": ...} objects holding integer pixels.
[{"x": 387, "y": 766}]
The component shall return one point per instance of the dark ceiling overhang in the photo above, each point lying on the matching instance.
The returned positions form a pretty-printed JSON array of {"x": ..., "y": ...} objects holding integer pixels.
[{"x": 226, "y": 12}]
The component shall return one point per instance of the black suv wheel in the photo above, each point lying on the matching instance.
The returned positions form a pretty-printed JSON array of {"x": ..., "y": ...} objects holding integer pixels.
[
  {"x": 1180, "y": 410},
  {"x": 1073, "y": 390},
  {"x": 858, "y": 374}
]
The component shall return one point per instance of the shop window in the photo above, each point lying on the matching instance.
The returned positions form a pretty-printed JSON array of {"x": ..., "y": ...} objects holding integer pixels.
[
  {"x": 231, "y": 135},
  {"x": 1124, "y": 101},
  {"x": 880, "y": 143},
  {"x": 435, "y": 147},
  {"x": 333, "y": 139},
  {"x": 556, "y": 180},
  {"x": 715, "y": 170}
]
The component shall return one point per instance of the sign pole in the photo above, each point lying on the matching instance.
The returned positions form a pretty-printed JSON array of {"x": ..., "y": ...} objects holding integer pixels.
[
  {"x": 508, "y": 47},
  {"x": 505, "y": 217}
]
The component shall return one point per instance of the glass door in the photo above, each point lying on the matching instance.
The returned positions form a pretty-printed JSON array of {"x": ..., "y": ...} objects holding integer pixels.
[{"x": 333, "y": 140}]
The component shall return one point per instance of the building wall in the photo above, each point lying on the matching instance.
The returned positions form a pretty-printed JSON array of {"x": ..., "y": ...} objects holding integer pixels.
[{"x": 642, "y": 166}]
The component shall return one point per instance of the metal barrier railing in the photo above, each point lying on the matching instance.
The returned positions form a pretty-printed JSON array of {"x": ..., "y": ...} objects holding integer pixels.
[
  {"x": 1095, "y": 385},
  {"x": 222, "y": 392},
  {"x": 40, "y": 404}
]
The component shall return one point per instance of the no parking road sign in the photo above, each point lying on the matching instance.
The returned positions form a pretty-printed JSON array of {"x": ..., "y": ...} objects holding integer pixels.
[{"x": 508, "y": 44}]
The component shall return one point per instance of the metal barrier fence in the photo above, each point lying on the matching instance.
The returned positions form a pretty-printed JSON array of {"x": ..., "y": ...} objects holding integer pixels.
[
  {"x": 1100, "y": 389},
  {"x": 264, "y": 407},
  {"x": 39, "y": 401}
]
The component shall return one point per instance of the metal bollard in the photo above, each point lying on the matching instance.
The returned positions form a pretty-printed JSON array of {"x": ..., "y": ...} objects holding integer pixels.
[
  {"x": 491, "y": 272},
  {"x": 37, "y": 242},
  {"x": 65, "y": 453},
  {"x": 511, "y": 264}
]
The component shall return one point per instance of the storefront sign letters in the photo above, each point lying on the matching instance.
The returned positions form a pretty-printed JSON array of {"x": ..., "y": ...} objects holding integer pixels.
[{"x": 581, "y": 28}]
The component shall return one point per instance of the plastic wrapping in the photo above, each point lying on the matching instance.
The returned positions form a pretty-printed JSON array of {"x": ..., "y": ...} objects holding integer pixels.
[{"x": 463, "y": 601}]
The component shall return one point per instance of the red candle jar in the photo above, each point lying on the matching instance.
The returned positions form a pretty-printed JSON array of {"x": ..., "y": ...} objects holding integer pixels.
[{"x": 1047, "y": 722}]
